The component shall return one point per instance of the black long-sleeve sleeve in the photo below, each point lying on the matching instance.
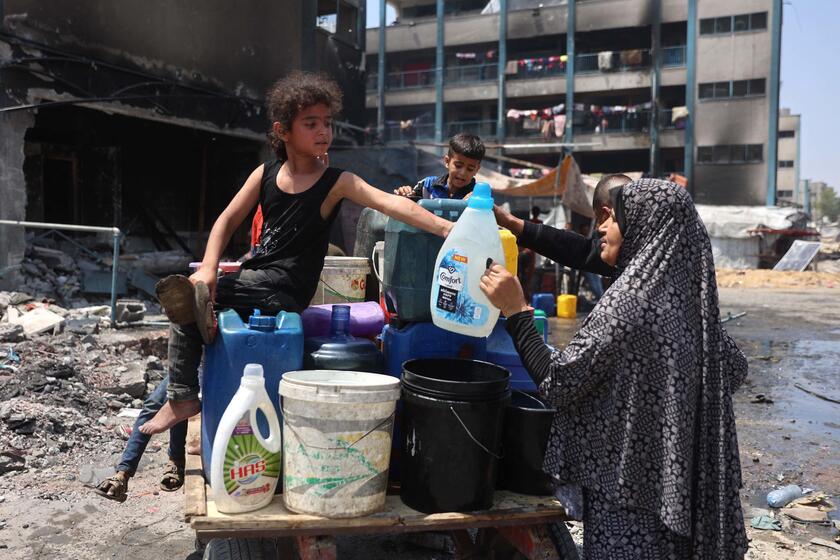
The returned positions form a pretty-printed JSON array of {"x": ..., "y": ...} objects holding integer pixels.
[
  {"x": 565, "y": 247},
  {"x": 563, "y": 377}
]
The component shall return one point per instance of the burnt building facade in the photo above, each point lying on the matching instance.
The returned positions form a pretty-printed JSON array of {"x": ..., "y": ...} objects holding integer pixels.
[{"x": 149, "y": 115}]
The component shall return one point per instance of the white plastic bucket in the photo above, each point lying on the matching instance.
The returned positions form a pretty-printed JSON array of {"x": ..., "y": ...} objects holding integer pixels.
[
  {"x": 337, "y": 429},
  {"x": 343, "y": 280}
]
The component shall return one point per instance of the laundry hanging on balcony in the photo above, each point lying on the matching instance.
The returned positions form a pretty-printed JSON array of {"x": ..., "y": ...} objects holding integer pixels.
[
  {"x": 605, "y": 61},
  {"x": 632, "y": 57}
]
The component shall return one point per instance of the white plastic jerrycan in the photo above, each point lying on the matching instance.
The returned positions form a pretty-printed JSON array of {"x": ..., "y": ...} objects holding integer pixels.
[
  {"x": 457, "y": 302},
  {"x": 245, "y": 466}
]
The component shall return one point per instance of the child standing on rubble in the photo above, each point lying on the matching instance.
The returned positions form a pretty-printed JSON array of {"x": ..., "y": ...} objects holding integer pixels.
[{"x": 300, "y": 196}]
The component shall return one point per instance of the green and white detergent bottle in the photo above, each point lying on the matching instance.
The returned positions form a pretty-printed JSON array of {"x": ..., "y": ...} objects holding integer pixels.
[
  {"x": 245, "y": 466},
  {"x": 457, "y": 302}
]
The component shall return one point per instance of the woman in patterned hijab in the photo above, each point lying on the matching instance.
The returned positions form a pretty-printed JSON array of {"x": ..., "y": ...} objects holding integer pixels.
[{"x": 645, "y": 425}]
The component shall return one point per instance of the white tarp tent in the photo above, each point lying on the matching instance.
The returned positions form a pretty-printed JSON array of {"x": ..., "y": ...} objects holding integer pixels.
[{"x": 734, "y": 243}]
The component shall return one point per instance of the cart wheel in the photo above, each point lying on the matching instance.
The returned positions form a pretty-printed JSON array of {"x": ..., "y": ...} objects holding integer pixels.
[
  {"x": 496, "y": 547},
  {"x": 243, "y": 549},
  {"x": 563, "y": 541}
]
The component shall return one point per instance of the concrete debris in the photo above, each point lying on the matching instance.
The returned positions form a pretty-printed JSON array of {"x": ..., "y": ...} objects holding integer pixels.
[
  {"x": 11, "y": 333},
  {"x": 129, "y": 311},
  {"x": 51, "y": 402},
  {"x": 38, "y": 320},
  {"x": 11, "y": 462}
]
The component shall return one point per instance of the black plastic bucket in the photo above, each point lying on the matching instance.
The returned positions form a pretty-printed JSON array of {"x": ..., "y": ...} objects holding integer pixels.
[
  {"x": 527, "y": 426},
  {"x": 453, "y": 411}
]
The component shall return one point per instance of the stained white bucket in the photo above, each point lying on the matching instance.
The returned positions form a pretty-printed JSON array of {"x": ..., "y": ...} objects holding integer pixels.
[
  {"x": 337, "y": 428},
  {"x": 343, "y": 280}
]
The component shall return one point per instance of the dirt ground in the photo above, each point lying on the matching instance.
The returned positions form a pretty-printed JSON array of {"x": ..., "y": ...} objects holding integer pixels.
[{"x": 791, "y": 338}]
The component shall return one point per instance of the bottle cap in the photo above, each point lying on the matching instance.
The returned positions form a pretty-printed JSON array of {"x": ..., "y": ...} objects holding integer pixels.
[
  {"x": 253, "y": 370},
  {"x": 482, "y": 197}
]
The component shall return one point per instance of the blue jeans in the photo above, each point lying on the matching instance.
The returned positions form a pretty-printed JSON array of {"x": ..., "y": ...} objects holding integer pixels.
[{"x": 138, "y": 441}]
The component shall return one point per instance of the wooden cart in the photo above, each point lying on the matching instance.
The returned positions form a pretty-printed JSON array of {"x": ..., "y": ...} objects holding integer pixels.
[{"x": 517, "y": 527}]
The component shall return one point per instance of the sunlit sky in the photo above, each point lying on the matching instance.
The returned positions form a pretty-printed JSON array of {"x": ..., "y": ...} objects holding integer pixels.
[{"x": 810, "y": 79}]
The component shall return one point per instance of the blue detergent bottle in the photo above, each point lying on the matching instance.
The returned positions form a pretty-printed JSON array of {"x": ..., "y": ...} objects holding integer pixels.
[{"x": 275, "y": 342}]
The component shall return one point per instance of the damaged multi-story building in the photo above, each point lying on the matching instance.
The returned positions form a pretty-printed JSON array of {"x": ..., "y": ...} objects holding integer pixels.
[{"x": 148, "y": 115}]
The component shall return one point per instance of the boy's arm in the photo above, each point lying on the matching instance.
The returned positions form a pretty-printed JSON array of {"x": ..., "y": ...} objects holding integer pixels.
[
  {"x": 356, "y": 189},
  {"x": 230, "y": 219}
]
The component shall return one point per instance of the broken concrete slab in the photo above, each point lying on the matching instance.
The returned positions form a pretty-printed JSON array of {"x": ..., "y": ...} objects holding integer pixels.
[
  {"x": 82, "y": 326},
  {"x": 130, "y": 379},
  {"x": 53, "y": 258},
  {"x": 37, "y": 321},
  {"x": 130, "y": 311}
]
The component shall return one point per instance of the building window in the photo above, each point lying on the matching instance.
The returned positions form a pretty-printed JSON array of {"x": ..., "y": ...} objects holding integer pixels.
[
  {"x": 735, "y": 88},
  {"x": 787, "y": 133},
  {"x": 784, "y": 194},
  {"x": 785, "y": 163},
  {"x": 730, "y": 153},
  {"x": 733, "y": 24}
]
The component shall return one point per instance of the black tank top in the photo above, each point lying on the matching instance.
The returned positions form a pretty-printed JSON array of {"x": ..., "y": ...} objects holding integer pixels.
[{"x": 294, "y": 237}]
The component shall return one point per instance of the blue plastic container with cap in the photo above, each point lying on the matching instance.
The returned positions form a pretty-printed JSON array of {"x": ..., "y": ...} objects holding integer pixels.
[
  {"x": 340, "y": 350},
  {"x": 273, "y": 341},
  {"x": 410, "y": 255}
]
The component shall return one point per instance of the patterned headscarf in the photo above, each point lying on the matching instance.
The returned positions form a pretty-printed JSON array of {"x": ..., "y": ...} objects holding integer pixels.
[{"x": 644, "y": 390}]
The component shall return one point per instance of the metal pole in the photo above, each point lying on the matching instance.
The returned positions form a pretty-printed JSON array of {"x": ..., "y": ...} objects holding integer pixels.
[
  {"x": 797, "y": 169},
  {"x": 806, "y": 206},
  {"x": 97, "y": 229},
  {"x": 690, "y": 93},
  {"x": 773, "y": 132},
  {"x": 570, "y": 71},
  {"x": 656, "y": 55},
  {"x": 361, "y": 31},
  {"x": 501, "y": 107},
  {"x": 380, "y": 76},
  {"x": 114, "y": 268},
  {"x": 439, "y": 72}
]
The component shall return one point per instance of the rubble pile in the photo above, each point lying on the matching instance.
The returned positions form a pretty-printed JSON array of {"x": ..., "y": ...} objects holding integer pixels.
[
  {"x": 64, "y": 381},
  {"x": 53, "y": 274}
]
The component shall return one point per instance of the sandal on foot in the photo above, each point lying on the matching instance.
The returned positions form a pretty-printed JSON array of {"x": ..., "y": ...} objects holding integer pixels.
[
  {"x": 114, "y": 488},
  {"x": 205, "y": 317},
  {"x": 177, "y": 297},
  {"x": 173, "y": 477}
]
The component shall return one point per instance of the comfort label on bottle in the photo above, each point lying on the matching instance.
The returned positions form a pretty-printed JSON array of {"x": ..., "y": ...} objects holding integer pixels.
[
  {"x": 452, "y": 276},
  {"x": 250, "y": 471}
]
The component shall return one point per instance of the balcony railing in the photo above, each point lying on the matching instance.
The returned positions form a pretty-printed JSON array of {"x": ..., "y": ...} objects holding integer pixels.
[
  {"x": 533, "y": 68},
  {"x": 484, "y": 129},
  {"x": 471, "y": 73},
  {"x": 398, "y": 133},
  {"x": 673, "y": 56}
]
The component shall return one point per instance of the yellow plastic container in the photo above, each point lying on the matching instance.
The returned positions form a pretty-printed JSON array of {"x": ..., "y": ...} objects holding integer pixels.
[
  {"x": 566, "y": 306},
  {"x": 510, "y": 249}
]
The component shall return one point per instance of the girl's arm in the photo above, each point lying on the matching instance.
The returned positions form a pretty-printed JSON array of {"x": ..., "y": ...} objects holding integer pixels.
[
  {"x": 230, "y": 219},
  {"x": 356, "y": 189}
]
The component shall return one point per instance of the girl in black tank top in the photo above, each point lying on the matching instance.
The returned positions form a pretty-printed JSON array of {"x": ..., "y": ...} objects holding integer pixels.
[
  {"x": 285, "y": 270},
  {"x": 294, "y": 237}
]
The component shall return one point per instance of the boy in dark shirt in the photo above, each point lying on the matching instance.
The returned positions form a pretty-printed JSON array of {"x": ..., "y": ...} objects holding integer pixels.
[
  {"x": 462, "y": 161},
  {"x": 566, "y": 247}
]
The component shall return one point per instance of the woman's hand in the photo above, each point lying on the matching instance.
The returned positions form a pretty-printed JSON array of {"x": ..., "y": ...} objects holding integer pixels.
[
  {"x": 208, "y": 275},
  {"x": 503, "y": 290}
]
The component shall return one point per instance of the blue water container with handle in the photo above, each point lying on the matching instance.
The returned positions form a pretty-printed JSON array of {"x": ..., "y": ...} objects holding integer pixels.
[{"x": 273, "y": 341}]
